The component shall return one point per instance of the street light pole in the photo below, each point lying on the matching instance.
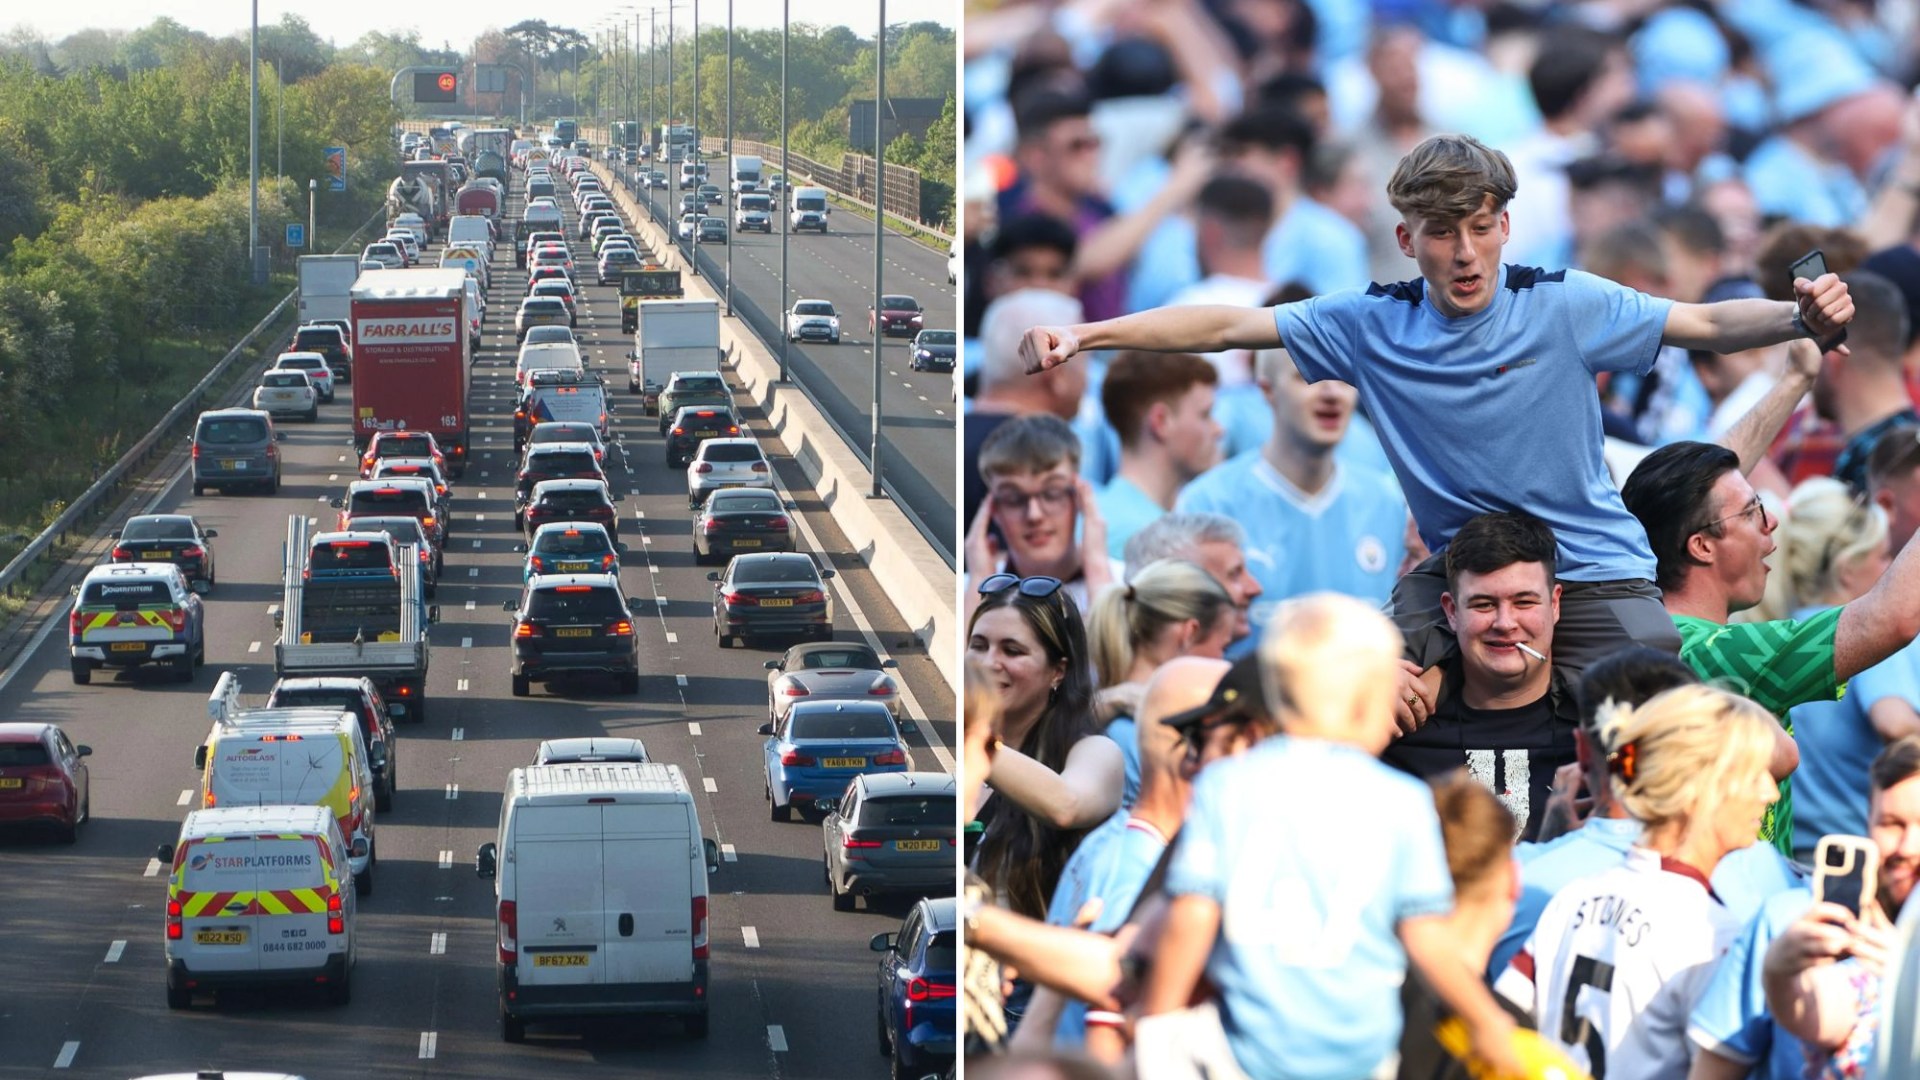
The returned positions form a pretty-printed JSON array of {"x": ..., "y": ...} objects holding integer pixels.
[
  {"x": 786, "y": 181},
  {"x": 879, "y": 216},
  {"x": 693, "y": 241},
  {"x": 253, "y": 151},
  {"x": 313, "y": 237},
  {"x": 735, "y": 194}
]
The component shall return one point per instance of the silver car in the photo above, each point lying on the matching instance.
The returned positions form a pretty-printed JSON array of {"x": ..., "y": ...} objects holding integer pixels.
[
  {"x": 726, "y": 463},
  {"x": 829, "y": 671},
  {"x": 287, "y": 393},
  {"x": 597, "y": 749},
  {"x": 315, "y": 365}
]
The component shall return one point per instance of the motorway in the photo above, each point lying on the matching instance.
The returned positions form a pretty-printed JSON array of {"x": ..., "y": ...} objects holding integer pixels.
[
  {"x": 792, "y": 983},
  {"x": 918, "y": 409}
]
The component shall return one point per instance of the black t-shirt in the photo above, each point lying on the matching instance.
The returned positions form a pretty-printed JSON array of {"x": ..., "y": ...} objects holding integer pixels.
[
  {"x": 1514, "y": 752},
  {"x": 1421, "y": 1055}
]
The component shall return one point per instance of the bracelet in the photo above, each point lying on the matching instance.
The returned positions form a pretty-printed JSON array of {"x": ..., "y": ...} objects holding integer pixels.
[
  {"x": 1105, "y": 1018},
  {"x": 1800, "y": 324}
]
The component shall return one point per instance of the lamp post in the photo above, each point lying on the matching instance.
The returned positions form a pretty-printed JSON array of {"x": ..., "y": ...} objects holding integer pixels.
[
  {"x": 879, "y": 218},
  {"x": 693, "y": 241},
  {"x": 786, "y": 180},
  {"x": 254, "y": 267},
  {"x": 313, "y": 238},
  {"x": 729, "y": 156}
]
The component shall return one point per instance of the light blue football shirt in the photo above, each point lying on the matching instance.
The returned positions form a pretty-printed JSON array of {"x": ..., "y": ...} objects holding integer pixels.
[
  {"x": 1496, "y": 410},
  {"x": 1731, "y": 1017},
  {"x": 1115, "y": 873},
  {"x": 1788, "y": 182},
  {"x": 1315, "y": 852},
  {"x": 1837, "y": 746},
  {"x": 1127, "y": 510},
  {"x": 1125, "y": 732}
]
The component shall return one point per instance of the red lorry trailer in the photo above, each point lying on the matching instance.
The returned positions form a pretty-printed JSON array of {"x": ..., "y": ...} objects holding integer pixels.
[{"x": 410, "y": 351}]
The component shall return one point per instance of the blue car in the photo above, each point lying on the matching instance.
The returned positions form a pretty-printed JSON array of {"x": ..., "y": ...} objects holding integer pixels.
[
  {"x": 917, "y": 982},
  {"x": 816, "y": 750},
  {"x": 571, "y": 547}
]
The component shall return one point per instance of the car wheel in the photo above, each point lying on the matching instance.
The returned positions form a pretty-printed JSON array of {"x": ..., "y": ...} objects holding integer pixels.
[
  {"x": 880, "y": 1028},
  {"x": 834, "y": 340},
  {"x": 183, "y": 667},
  {"x": 363, "y": 882},
  {"x": 178, "y": 996},
  {"x": 70, "y": 834},
  {"x": 273, "y": 486},
  {"x": 340, "y": 993},
  {"x": 778, "y": 812},
  {"x": 904, "y": 1071},
  {"x": 383, "y": 797},
  {"x": 313, "y": 415},
  {"x": 842, "y": 899},
  {"x": 522, "y": 686},
  {"x": 82, "y": 672}
]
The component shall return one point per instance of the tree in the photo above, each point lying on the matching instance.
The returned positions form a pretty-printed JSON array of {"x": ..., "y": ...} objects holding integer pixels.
[
  {"x": 293, "y": 48},
  {"x": 88, "y": 49},
  {"x": 160, "y": 43},
  {"x": 23, "y": 185}
]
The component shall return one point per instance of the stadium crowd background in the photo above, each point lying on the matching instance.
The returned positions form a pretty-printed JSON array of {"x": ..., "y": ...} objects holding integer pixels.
[{"x": 1137, "y": 523}]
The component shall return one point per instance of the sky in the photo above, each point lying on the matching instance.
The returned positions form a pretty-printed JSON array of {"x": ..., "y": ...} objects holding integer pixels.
[{"x": 451, "y": 21}]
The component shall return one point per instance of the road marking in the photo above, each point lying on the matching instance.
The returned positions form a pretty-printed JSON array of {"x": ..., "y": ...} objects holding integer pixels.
[
  {"x": 429, "y": 1044},
  {"x": 461, "y": 685},
  {"x": 673, "y": 638},
  {"x": 466, "y": 643},
  {"x": 693, "y": 728},
  {"x": 114, "y": 950},
  {"x": 185, "y": 797},
  {"x": 153, "y": 868},
  {"x": 483, "y": 517},
  {"x": 727, "y": 854},
  {"x": 253, "y": 647},
  {"x": 923, "y": 397},
  {"x": 751, "y": 935},
  {"x": 333, "y": 476},
  {"x": 453, "y": 791},
  {"x": 661, "y": 600},
  {"x": 708, "y": 783},
  {"x": 473, "y": 571},
  {"x": 680, "y": 680},
  {"x": 481, "y": 494},
  {"x": 459, "y": 734},
  {"x": 66, "y": 1055},
  {"x": 654, "y": 570},
  {"x": 446, "y": 862},
  {"x": 469, "y": 605},
  {"x": 437, "y": 945},
  {"x": 776, "y": 1038},
  {"x": 476, "y": 545},
  {"x": 273, "y": 610},
  {"x": 645, "y": 539},
  {"x": 483, "y": 474},
  {"x": 639, "y": 513}
]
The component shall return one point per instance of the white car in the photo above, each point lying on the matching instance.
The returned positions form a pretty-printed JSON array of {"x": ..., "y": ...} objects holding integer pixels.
[
  {"x": 387, "y": 253},
  {"x": 687, "y": 223},
  {"x": 726, "y": 463},
  {"x": 414, "y": 224},
  {"x": 407, "y": 243},
  {"x": 283, "y": 392},
  {"x": 316, "y": 368},
  {"x": 813, "y": 320}
]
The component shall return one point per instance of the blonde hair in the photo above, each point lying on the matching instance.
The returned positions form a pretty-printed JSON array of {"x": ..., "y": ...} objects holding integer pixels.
[
  {"x": 1682, "y": 751},
  {"x": 1328, "y": 661},
  {"x": 1126, "y": 617},
  {"x": 1823, "y": 530}
]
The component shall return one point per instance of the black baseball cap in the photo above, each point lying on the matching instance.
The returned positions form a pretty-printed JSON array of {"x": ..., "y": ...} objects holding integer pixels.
[{"x": 1238, "y": 695}]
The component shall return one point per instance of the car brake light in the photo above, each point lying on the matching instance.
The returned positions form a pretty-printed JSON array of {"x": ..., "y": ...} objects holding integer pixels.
[
  {"x": 192, "y": 553},
  {"x": 699, "y": 928},
  {"x": 73, "y": 621},
  {"x": 794, "y": 689},
  {"x": 539, "y": 566},
  {"x": 336, "y": 915},
  {"x": 525, "y": 629},
  {"x": 676, "y": 431},
  {"x": 122, "y": 553},
  {"x": 921, "y": 990},
  {"x": 738, "y": 599},
  {"x": 851, "y": 843},
  {"x": 703, "y": 467},
  {"x": 891, "y": 757},
  {"x": 811, "y": 596},
  {"x": 623, "y": 628},
  {"x": 606, "y": 562},
  {"x": 177, "y": 618},
  {"x": 795, "y": 757},
  {"x": 881, "y": 687},
  {"x": 759, "y": 466},
  {"x": 175, "y": 928},
  {"x": 509, "y": 942},
  {"x": 427, "y": 521},
  {"x": 196, "y": 450},
  {"x": 709, "y": 525}
]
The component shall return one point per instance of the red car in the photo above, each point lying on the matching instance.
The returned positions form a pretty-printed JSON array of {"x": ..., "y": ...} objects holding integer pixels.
[
  {"x": 899, "y": 316},
  {"x": 42, "y": 779}
]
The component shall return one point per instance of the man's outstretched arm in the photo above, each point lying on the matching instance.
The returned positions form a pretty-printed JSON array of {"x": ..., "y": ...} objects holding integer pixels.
[
  {"x": 1201, "y": 328},
  {"x": 1738, "y": 325}
]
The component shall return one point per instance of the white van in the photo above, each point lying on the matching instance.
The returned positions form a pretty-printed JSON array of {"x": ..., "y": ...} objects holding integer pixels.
[
  {"x": 466, "y": 229},
  {"x": 600, "y": 874},
  {"x": 291, "y": 757},
  {"x": 547, "y": 356},
  {"x": 259, "y": 894},
  {"x": 810, "y": 210}
]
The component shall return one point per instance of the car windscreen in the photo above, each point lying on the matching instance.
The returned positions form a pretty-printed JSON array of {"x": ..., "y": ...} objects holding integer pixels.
[
  {"x": 406, "y": 446},
  {"x": 899, "y": 303},
  {"x": 817, "y": 308},
  {"x": 349, "y": 555},
  {"x": 541, "y": 335},
  {"x": 316, "y": 340},
  {"x": 388, "y": 501},
  {"x": 404, "y": 530},
  {"x": 810, "y": 202},
  {"x": 576, "y": 602},
  {"x": 158, "y": 529},
  {"x": 22, "y": 755},
  {"x": 937, "y": 337},
  {"x": 561, "y": 461},
  {"x": 316, "y": 697},
  {"x": 699, "y": 384},
  {"x": 544, "y": 306},
  {"x": 232, "y": 431},
  {"x": 730, "y": 452},
  {"x": 126, "y": 594},
  {"x": 572, "y": 499},
  {"x": 774, "y": 571},
  {"x": 907, "y": 810},
  {"x": 285, "y": 379},
  {"x": 860, "y": 724},
  {"x": 302, "y": 363},
  {"x": 754, "y": 502},
  {"x": 571, "y": 542},
  {"x": 852, "y": 656},
  {"x": 552, "y": 432}
]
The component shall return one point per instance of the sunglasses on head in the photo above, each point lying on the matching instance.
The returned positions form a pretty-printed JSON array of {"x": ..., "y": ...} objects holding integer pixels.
[{"x": 1039, "y": 586}]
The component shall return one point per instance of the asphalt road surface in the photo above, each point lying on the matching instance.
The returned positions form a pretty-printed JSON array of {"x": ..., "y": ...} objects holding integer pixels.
[{"x": 792, "y": 983}]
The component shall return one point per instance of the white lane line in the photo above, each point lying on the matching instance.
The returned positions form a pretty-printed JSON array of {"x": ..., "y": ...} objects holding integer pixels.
[
  {"x": 661, "y": 600},
  {"x": 645, "y": 539},
  {"x": 459, "y": 734},
  {"x": 680, "y": 680},
  {"x": 153, "y": 868},
  {"x": 483, "y": 517},
  {"x": 429, "y": 1044},
  {"x": 482, "y": 494},
  {"x": 728, "y": 854},
  {"x": 453, "y": 791},
  {"x": 673, "y": 638},
  {"x": 333, "y": 476},
  {"x": 446, "y": 859},
  {"x": 437, "y": 945},
  {"x": 466, "y": 643},
  {"x": 185, "y": 797},
  {"x": 693, "y": 728},
  {"x": 473, "y": 571},
  {"x": 476, "y": 545},
  {"x": 643, "y": 513},
  {"x": 654, "y": 570},
  {"x": 469, "y": 605},
  {"x": 66, "y": 1055},
  {"x": 776, "y": 1038},
  {"x": 751, "y": 935},
  {"x": 708, "y": 783},
  {"x": 461, "y": 686},
  {"x": 114, "y": 950},
  {"x": 253, "y": 646}
]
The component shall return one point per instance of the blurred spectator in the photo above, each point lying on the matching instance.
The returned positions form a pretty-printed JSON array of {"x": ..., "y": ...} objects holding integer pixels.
[
  {"x": 1058, "y": 158},
  {"x": 1039, "y": 518},
  {"x": 1696, "y": 128},
  {"x": 1395, "y": 128},
  {"x": 1606, "y": 191},
  {"x": 1307, "y": 242},
  {"x": 1669, "y": 402},
  {"x": 1893, "y": 482},
  {"x": 1580, "y": 78},
  {"x": 1054, "y": 775},
  {"x": 1030, "y": 252},
  {"x": 1214, "y": 541},
  {"x": 1314, "y": 522},
  {"x": 1691, "y": 766},
  {"x": 1162, "y": 408},
  {"x": 1503, "y": 715},
  {"x": 1167, "y": 610},
  {"x": 1900, "y": 264},
  {"x": 1031, "y": 1065},
  {"x": 1836, "y": 120},
  {"x": 1232, "y": 217},
  {"x": 1297, "y": 995},
  {"x": 1863, "y": 391},
  {"x": 1005, "y": 391}
]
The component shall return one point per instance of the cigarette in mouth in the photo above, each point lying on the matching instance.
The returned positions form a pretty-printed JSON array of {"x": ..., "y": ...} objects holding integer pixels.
[{"x": 1522, "y": 646}]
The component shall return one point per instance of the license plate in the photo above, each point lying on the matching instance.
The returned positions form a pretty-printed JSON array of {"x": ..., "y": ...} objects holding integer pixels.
[
  {"x": 574, "y": 631},
  {"x": 746, "y": 543},
  {"x": 916, "y": 845},
  {"x": 705, "y": 434},
  {"x": 776, "y": 603},
  {"x": 560, "y": 960},
  {"x": 231, "y": 464},
  {"x": 8, "y": 783},
  {"x": 219, "y": 937},
  {"x": 129, "y": 646},
  {"x": 843, "y": 763},
  {"x": 570, "y": 567},
  {"x": 155, "y": 554}
]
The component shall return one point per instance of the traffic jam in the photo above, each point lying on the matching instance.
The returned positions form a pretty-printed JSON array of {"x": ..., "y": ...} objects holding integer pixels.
[{"x": 674, "y": 792}]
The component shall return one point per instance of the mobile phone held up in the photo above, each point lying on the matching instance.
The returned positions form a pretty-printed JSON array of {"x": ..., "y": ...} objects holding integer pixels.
[
  {"x": 1813, "y": 266},
  {"x": 1843, "y": 872}
]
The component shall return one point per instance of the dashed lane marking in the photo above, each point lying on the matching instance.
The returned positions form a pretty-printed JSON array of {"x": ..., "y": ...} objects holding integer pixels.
[
  {"x": 114, "y": 950},
  {"x": 476, "y": 545},
  {"x": 185, "y": 798},
  {"x": 67, "y": 1052},
  {"x": 469, "y": 605},
  {"x": 453, "y": 791},
  {"x": 429, "y": 1044},
  {"x": 473, "y": 571},
  {"x": 153, "y": 868},
  {"x": 751, "y": 935},
  {"x": 466, "y": 643},
  {"x": 461, "y": 686},
  {"x": 680, "y": 680},
  {"x": 253, "y": 646},
  {"x": 673, "y": 638},
  {"x": 446, "y": 859},
  {"x": 437, "y": 945},
  {"x": 693, "y": 728},
  {"x": 728, "y": 854},
  {"x": 776, "y": 1038},
  {"x": 459, "y": 734},
  {"x": 708, "y": 783}
]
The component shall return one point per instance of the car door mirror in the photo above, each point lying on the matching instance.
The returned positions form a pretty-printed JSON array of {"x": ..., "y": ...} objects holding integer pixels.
[
  {"x": 908, "y": 727},
  {"x": 279, "y": 436},
  {"x": 826, "y": 806},
  {"x": 621, "y": 547},
  {"x": 337, "y": 503},
  {"x": 713, "y": 855},
  {"x": 520, "y": 548},
  {"x": 790, "y": 504},
  {"x": 713, "y": 575},
  {"x": 772, "y": 665},
  {"x": 210, "y": 533},
  {"x": 201, "y": 587},
  {"x": 825, "y": 574},
  {"x": 766, "y": 729},
  {"x": 359, "y": 848},
  {"x": 83, "y": 750},
  {"x": 200, "y": 757},
  {"x": 889, "y": 662},
  {"x": 433, "y": 613},
  {"x": 486, "y": 860},
  {"x": 508, "y": 605},
  {"x": 164, "y": 853},
  {"x": 882, "y": 942}
]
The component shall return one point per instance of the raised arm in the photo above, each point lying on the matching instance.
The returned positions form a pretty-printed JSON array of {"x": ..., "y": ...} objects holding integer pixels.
[
  {"x": 1752, "y": 434},
  {"x": 1084, "y": 793},
  {"x": 1877, "y": 625},
  {"x": 1739, "y": 325},
  {"x": 1199, "y": 328}
]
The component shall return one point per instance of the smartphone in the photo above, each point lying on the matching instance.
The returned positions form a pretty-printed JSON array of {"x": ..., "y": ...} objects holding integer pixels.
[
  {"x": 1812, "y": 266},
  {"x": 1843, "y": 871}
]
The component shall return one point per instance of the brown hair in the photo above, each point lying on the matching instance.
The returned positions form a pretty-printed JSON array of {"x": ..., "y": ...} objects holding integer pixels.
[
  {"x": 1029, "y": 444},
  {"x": 1787, "y": 241},
  {"x": 1896, "y": 764},
  {"x": 1448, "y": 177},
  {"x": 1137, "y": 381},
  {"x": 1476, "y": 827}
]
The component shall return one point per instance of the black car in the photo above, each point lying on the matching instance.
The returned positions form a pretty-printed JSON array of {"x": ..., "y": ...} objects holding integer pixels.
[
  {"x": 686, "y": 388},
  {"x": 739, "y": 520},
  {"x": 694, "y": 425},
  {"x": 360, "y": 697},
  {"x": 774, "y": 594},
  {"x": 711, "y": 195},
  {"x": 933, "y": 350},
  {"x": 168, "y": 538},
  {"x": 330, "y": 340},
  {"x": 572, "y": 500},
  {"x": 408, "y": 530},
  {"x": 568, "y": 623},
  {"x": 712, "y": 230},
  {"x": 553, "y": 461}
]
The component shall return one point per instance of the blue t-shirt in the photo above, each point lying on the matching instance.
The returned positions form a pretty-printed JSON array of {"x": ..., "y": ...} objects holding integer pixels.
[
  {"x": 1350, "y": 537},
  {"x": 1316, "y": 247},
  {"x": 1786, "y": 181},
  {"x": 1125, "y": 733},
  {"x": 1496, "y": 410},
  {"x": 1127, "y": 510},
  {"x": 1115, "y": 872},
  {"x": 1731, "y": 1017},
  {"x": 1308, "y": 963},
  {"x": 1837, "y": 745}
]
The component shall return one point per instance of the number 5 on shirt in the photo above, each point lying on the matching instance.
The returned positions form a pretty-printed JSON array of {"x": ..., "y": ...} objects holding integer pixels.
[{"x": 1575, "y": 1030}]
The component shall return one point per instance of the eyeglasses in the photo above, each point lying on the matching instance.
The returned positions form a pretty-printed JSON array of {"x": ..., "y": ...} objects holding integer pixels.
[
  {"x": 1039, "y": 586},
  {"x": 1015, "y": 502},
  {"x": 1756, "y": 506},
  {"x": 1082, "y": 144}
]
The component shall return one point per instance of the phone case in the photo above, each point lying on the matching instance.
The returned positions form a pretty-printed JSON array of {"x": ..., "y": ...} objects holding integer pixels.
[{"x": 1843, "y": 871}]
